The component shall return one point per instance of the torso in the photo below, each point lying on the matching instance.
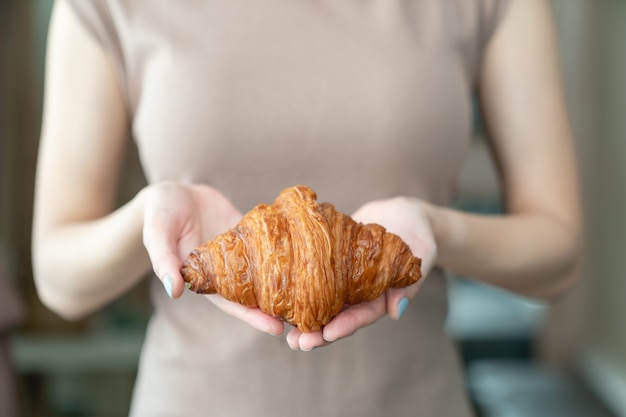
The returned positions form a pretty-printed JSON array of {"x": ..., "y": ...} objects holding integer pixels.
[
  {"x": 352, "y": 100},
  {"x": 360, "y": 100}
]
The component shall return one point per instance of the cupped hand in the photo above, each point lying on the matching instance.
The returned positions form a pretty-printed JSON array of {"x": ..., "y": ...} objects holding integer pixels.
[
  {"x": 407, "y": 218},
  {"x": 178, "y": 218}
]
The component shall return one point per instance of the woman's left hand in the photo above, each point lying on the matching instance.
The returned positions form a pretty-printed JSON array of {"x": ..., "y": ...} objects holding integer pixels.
[{"x": 407, "y": 218}]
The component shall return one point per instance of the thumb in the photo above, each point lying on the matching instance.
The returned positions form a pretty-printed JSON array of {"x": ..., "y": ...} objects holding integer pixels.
[
  {"x": 399, "y": 299},
  {"x": 166, "y": 266},
  {"x": 161, "y": 247}
]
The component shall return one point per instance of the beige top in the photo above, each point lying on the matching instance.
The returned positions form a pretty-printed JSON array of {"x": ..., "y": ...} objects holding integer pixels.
[{"x": 360, "y": 100}]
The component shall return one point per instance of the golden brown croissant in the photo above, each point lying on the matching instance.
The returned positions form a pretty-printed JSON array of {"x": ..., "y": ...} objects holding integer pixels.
[{"x": 301, "y": 261}]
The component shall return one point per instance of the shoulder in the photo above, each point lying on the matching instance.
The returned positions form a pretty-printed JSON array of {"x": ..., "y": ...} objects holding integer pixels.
[{"x": 467, "y": 26}]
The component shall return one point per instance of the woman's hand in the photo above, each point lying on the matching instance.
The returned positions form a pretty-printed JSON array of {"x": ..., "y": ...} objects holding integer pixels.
[
  {"x": 407, "y": 218},
  {"x": 178, "y": 218}
]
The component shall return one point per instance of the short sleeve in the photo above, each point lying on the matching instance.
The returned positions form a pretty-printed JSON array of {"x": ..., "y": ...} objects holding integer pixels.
[
  {"x": 97, "y": 17},
  {"x": 493, "y": 14}
]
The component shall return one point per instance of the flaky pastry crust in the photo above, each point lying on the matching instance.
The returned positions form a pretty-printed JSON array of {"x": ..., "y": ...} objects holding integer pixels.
[{"x": 301, "y": 261}]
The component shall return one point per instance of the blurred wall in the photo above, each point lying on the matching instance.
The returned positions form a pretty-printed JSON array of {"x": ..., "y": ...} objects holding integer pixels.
[
  {"x": 608, "y": 211},
  {"x": 586, "y": 329},
  {"x": 604, "y": 156},
  {"x": 18, "y": 120},
  {"x": 575, "y": 23}
]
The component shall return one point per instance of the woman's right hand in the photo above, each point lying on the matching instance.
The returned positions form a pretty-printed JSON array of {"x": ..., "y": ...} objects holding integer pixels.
[{"x": 178, "y": 218}]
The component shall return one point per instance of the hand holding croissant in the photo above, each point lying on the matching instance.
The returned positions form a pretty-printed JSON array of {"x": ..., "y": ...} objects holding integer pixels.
[{"x": 300, "y": 261}]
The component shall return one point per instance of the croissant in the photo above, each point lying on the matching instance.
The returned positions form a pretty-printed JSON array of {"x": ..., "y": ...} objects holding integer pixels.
[{"x": 301, "y": 261}]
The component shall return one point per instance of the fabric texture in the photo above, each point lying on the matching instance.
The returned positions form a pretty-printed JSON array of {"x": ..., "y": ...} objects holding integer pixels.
[{"x": 358, "y": 100}]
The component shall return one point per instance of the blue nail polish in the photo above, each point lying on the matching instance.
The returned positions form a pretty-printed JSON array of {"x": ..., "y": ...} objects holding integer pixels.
[
  {"x": 402, "y": 305},
  {"x": 167, "y": 283}
]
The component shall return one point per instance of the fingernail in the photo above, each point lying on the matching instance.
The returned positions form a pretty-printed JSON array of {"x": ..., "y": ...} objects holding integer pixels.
[
  {"x": 328, "y": 339},
  {"x": 167, "y": 283},
  {"x": 402, "y": 305}
]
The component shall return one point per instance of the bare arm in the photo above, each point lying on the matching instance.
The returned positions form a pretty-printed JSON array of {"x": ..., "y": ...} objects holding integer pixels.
[
  {"x": 533, "y": 249},
  {"x": 84, "y": 253}
]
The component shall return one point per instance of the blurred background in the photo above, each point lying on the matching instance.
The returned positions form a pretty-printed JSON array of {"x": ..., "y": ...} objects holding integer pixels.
[{"x": 523, "y": 357}]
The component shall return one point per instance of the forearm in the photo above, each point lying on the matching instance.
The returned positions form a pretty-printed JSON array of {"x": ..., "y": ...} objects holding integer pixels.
[
  {"x": 531, "y": 254},
  {"x": 81, "y": 266}
]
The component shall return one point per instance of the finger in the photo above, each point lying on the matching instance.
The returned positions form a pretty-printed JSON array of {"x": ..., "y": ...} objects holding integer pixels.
[
  {"x": 252, "y": 316},
  {"x": 312, "y": 340},
  {"x": 306, "y": 342},
  {"x": 398, "y": 299},
  {"x": 159, "y": 239},
  {"x": 354, "y": 318},
  {"x": 293, "y": 339},
  {"x": 167, "y": 268},
  {"x": 397, "y": 302}
]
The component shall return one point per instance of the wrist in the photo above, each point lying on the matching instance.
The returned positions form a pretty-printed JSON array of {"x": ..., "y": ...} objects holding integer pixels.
[{"x": 447, "y": 227}]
